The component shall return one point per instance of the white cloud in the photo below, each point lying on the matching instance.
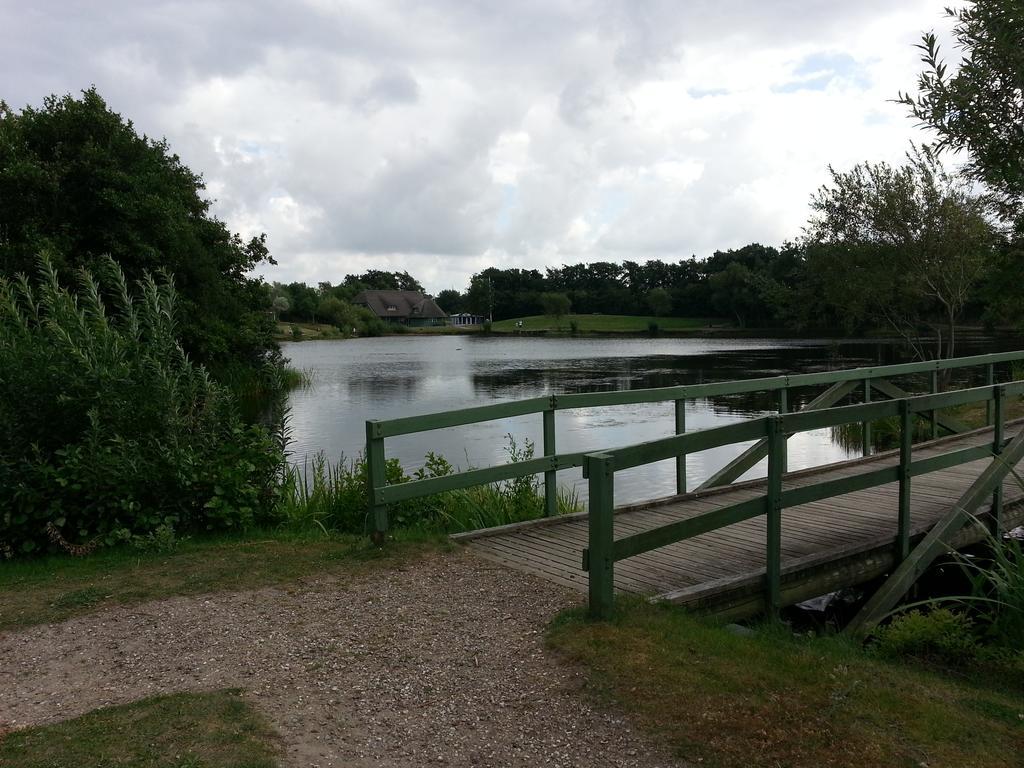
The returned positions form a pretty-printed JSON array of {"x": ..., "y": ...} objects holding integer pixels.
[{"x": 443, "y": 137}]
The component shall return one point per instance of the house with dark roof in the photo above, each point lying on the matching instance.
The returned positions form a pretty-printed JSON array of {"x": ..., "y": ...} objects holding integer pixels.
[{"x": 404, "y": 307}]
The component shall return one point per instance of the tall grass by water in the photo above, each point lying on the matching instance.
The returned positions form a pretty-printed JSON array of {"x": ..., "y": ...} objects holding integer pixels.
[{"x": 332, "y": 496}]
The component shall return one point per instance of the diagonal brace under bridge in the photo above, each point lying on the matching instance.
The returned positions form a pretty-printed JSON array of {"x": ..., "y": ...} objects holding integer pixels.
[
  {"x": 746, "y": 460},
  {"x": 936, "y": 541}
]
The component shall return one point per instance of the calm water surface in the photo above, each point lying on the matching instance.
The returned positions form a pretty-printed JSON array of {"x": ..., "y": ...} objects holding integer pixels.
[{"x": 396, "y": 376}]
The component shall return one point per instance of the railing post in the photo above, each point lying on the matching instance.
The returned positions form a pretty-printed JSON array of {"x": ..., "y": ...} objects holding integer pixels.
[
  {"x": 601, "y": 564},
  {"x": 998, "y": 435},
  {"x": 934, "y": 416},
  {"x": 784, "y": 409},
  {"x": 906, "y": 453},
  {"x": 773, "y": 511},
  {"x": 376, "y": 478},
  {"x": 550, "y": 477},
  {"x": 865, "y": 427},
  {"x": 680, "y": 460},
  {"x": 990, "y": 379}
]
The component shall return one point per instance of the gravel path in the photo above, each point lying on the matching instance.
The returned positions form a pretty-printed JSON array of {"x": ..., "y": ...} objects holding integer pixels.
[{"x": 440, "y": 663}]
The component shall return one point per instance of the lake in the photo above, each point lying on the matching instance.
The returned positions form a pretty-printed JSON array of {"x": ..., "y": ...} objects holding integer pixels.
[{"x": 383, "y": 378}]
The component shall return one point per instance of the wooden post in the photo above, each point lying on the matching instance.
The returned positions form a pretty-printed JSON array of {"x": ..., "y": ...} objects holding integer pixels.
[
  {"x": 934, "y": 414},
  {"x": 990, "y": 379},
  {"x": 784, "y": 409},
  {"x": 906, "y": 453},
  {"x": 550, "y": 477},
  {"x": 680, "y": 460},
  {"x": 998, "y": 435},
  {"x": 865, "y": 427},
  {"x": 376, "y": 479},
  {"x": 773, "y": 502},
  {"x": 600, "y": 562}
]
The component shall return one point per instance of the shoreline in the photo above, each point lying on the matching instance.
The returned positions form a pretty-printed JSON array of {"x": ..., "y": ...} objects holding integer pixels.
[{"x": 315, "y": 333}]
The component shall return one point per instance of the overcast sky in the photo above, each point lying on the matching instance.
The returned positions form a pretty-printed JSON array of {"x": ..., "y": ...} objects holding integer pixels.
[{"x": 445, "y": 136}]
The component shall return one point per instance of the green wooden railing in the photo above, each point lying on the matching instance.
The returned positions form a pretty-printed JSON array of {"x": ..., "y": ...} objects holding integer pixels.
[
  {"x": 842, "y": 384},
  {"x": 600, "y": 467}
]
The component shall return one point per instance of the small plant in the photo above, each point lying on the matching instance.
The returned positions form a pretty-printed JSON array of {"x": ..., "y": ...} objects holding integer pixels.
[
  {"x": 163, "y": 539},
  {"x": 885, "y": 433},
  {"x": 487, "y": 326},
  {"x": 294, "y": 378},
  {"x": 653, "y": 329},
  {"x": 939, "y": 635},
  {"x": 574, "y": 327},
  {"x": 296, "y": 333},
  {"x": 997, "y": 590},
  {"x": 333, "y": 497}
]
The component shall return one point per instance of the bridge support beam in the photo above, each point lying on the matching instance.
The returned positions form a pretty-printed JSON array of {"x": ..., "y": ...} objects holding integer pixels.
[
  {"x": 742, "y": 463},
  {"x": 890, "y": 390},
  {"x": 759, "y": 450}
]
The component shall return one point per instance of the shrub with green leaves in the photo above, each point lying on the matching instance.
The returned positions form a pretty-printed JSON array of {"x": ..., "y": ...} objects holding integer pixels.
[
  {"x": 940, "y": 635},
  {"x": 109, "y": 429}
]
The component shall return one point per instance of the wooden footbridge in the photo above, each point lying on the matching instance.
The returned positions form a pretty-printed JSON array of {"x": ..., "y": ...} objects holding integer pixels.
[{"x": 736, "y": 549}]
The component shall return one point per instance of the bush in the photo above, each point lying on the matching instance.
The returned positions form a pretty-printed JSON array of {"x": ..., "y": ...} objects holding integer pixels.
[
  {"x": 940, "y": 635},
  {"x": 367, "y": 323},
  {"x": 78, "y": 180},
  {"x": 110, "y": 431}
]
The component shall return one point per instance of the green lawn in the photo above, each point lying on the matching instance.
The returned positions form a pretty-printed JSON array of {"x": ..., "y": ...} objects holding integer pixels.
[
  {"x": 607, "y": 323},
  {"x": 306, "y": 332},
  {"x": 56, "y": 588},
  {"x": 187, "y": 730},
  {"x": 772, "y": 699}
]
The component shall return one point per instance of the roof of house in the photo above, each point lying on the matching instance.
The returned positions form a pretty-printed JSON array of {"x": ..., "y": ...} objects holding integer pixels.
[{"x": 399, "y": 304}]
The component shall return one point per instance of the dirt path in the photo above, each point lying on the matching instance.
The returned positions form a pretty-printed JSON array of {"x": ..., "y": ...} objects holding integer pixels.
[{"x": 439, "y": 663}]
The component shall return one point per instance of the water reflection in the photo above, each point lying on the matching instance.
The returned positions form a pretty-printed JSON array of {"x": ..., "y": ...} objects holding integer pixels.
[{"x": 403, "y": 376}]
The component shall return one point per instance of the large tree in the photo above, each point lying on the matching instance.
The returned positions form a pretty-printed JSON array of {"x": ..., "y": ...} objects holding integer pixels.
[
  {"x": 555, "y": 305},
  {"x": 979, "y": 106},
  {"x": 77, "y": 182},
  {"x": 900, "y": 245},
  {"x": 450, "y": 300}
]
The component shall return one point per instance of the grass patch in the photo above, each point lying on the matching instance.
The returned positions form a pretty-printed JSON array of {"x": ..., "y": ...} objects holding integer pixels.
[
  {"x": 56, "y": 588},
  {"x": 974, "y": 414},
  {"x": 306, "y": 332},
  {"x": 772, "y": 700},
  {"x": 606, "y": 324},
  {"x": 185, "y": 730}
]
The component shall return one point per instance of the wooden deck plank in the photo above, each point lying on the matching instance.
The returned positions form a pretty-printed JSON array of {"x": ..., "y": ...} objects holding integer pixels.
[{"x": 837, "y": 530}]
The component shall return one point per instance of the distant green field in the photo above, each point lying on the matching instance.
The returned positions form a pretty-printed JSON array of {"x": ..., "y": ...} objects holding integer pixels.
[{"x": 607, "y": 323}]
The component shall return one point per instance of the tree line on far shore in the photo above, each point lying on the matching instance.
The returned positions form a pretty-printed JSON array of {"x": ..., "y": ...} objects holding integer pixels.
[{"x": 912, "y": 249}]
